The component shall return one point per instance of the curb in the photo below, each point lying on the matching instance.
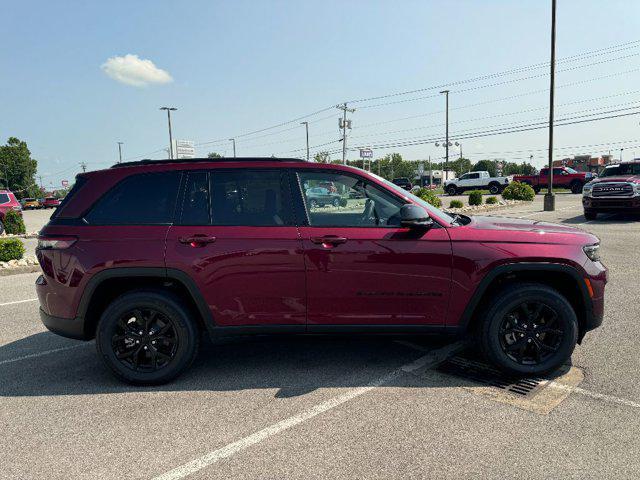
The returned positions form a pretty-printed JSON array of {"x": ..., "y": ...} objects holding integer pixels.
[{"x": 4, "y": 272}]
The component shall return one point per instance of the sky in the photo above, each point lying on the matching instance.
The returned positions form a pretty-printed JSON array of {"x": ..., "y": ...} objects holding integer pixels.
[{"x": 77, "y": 77}]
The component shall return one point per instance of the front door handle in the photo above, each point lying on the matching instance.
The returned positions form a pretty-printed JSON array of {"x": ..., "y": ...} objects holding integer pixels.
[
  {"x": 197, "y": 240},
  {"x": 328, "y": 241}
]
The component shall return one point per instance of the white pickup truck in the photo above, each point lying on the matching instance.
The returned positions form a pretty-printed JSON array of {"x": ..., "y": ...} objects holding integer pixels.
[{"x": 476, "y": 181}]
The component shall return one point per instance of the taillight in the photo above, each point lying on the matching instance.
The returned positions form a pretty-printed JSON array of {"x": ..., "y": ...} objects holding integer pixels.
[
  {"x": 55, "y": 243},
  {"x": 17, "y": 208}
]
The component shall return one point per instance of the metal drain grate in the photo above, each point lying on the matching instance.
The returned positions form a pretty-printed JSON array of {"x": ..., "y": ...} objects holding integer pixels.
[{"x": 482, "y": 373}]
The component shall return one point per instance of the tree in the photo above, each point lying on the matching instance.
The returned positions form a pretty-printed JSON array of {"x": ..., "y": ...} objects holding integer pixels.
[
  {"x": 461, "y": 166},
  {"x": 486, "y": 165},
  {"x": 17, "y": 168},
  {"x": 322, "y": 157},
  {"x": 214, "y": 155}
]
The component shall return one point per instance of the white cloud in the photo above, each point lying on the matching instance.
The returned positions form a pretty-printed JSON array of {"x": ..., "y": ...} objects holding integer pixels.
[{"x": 133, "y": 70}]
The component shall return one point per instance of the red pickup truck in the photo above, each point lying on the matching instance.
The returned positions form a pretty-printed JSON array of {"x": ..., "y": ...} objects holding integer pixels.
[{"x": 563, "y": 177}]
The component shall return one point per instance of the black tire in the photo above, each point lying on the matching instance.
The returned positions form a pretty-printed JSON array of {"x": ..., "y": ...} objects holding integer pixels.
[
  {"x": 556, "y": 329},
  {"x": 494, "y": 188},
  {"x": 452, "y": 190},
  {"x": 576, "y": 187},
  {"x": 116, "y": 334},
  {"x": 590, "y": 214},
  {"x": 336, "y": 202}
]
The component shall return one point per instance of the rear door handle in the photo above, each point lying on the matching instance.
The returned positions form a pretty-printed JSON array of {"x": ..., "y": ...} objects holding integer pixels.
[
  {"x": 197, "y": 240},
  {"x": 328, "y": 240}
]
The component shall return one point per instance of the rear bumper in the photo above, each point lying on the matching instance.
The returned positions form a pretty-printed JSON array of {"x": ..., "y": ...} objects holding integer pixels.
[
  {"x": 627, "y": 204},
  {"x": 66, "y": 327}
]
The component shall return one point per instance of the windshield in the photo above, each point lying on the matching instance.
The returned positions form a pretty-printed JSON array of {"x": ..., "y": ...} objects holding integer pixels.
[
  {"x": 402, "y": 192},
  {"x": 621, "y": 169},
  {"x": 570, "y": 170}
]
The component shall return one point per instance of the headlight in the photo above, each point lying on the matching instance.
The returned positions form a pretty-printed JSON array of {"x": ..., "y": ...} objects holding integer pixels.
[
  {"x": 592, "y": 251},
  {"x": 586, "y": 190},
  {"x": 636, "y": 188}
]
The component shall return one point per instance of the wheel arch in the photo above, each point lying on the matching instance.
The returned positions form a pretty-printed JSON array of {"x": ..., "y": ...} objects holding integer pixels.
[
  {"x": 564, "y": 278},
  {"x": 105, "y": 286}
]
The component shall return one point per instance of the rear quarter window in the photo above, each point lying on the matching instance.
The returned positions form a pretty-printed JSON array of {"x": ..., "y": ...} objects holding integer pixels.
[
  {"x": 4, "y": 198},
  {"x": 142, "y": 199}
]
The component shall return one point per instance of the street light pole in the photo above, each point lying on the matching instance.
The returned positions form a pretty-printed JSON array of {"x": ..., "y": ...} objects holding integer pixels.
[
  {"x": 306, "y": 126},
  {"x": 234, "y": 146},
  {"x": 169, "y": 110},
  {"x": 120, "y": 151},
  {"x": 446, "y": 163},
  {"x": 621, "y": 153},
  {"x": 549, "y": 198}
]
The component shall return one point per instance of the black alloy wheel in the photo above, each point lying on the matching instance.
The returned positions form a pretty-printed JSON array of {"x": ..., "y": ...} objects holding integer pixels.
[
  {"x": 531, "y": 333},
  {"x": 145, "y": 340}
]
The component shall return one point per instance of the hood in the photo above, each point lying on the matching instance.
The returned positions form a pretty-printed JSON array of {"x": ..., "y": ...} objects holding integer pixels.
[
  {"x": 617, "y": 178},
  {"x": 505, "y": 229}
]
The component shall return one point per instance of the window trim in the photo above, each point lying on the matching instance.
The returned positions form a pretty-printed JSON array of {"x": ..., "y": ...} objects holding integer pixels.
[{"x": 301, "y": 197}]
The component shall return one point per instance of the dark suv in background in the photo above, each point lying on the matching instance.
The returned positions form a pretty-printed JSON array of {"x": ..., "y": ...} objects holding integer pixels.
[{"x": 145, "y": 256}]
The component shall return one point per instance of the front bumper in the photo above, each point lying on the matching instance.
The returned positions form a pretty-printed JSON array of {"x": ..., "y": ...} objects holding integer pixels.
[
  {"x": 66, "y": 327},
  {"x": 627, "y": 204}
]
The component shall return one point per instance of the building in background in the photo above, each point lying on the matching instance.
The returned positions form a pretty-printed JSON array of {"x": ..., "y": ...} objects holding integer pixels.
[{"x": 585, "y": 163}]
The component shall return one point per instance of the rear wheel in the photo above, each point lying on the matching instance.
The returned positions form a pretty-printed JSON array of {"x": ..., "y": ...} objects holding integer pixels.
[
  {"x": 576, "y": 187},
  {"x": 590, "y": 214},
  {"x": 530, "y": 329},
  {"x": 536, "y": 190},
  {"x": 147, "y": 337},
  {"x": 452, "y": 190},
  {"x": 494, "y": 188},
  {"x": 313, "y": 203},
  {"x": 336, "y": 202}
]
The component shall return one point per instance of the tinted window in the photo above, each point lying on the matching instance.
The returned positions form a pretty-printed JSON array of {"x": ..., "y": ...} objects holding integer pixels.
[
  {"x": 250, "y": 198},
  {"x": 4, "y": 198},
  {"x": 621, "y": 169},
  {"x": 145, "y": 199},
  {"x": 354, "y": 203},
  {"x": 195, "y": 207}
]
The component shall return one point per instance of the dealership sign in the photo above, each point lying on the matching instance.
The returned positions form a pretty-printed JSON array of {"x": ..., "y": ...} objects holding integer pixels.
[
  {"x": 184, "y": 149},
  {"x": 366, "y": 153}
]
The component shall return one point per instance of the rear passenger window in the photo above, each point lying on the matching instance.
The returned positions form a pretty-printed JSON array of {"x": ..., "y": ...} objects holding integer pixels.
[
  {"x": 258, "y": 198},
  {"x": 4, "y": 198},
  {"x": 195, "y": 207},
  {"x": 145, "y": 199}
]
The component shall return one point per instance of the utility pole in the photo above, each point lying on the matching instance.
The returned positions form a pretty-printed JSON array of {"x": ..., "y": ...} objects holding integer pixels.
[
  {"x": 40, "y": 178},
  {"x": 82, "y": 165},
  {"x": 446, "y": 145},
  {"x": 120, "y": 151},
  {"x": 306, "y": 126},
  {"x": 169, "y": 110},
  {"x": 621, "y": 153},
  {"x": 234, "y": 146},
  {"x": 430, "y": 173},
  {"x": 344, "y": 109},
  {"x": 549, "y": 198}
]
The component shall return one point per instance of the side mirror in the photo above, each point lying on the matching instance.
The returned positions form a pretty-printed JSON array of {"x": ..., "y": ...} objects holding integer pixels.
[{"x": 412, "y": 216}]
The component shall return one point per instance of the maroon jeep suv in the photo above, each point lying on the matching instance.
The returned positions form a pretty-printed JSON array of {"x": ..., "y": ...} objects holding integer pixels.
[
  {"x": 146, "y": 256},
  {"x": 616, "y": 190}
]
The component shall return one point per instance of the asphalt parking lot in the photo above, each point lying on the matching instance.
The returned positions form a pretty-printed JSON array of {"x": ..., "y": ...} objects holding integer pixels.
[{"x": 323, "y": 407}]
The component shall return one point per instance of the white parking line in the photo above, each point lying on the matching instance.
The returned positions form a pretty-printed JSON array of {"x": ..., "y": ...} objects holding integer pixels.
[
  {"x": 595, "y": 395},
  {"x": 18, "y": 301},
  {"x": 40, "y": 354},
  {"x": 261, "y": 435}
]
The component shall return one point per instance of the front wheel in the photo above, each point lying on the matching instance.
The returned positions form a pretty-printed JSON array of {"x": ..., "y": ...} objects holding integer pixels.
[
  {"x": 452, "y": 190},
  {"x": 529, "y": 329},
  {"x": 147, "y": 337},
  {"x": 494, "y": 188},
  {"x": 576, "y": 187}
]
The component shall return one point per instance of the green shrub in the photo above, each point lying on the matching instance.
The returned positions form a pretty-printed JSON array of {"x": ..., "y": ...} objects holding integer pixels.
[
  {"x": 475, "y": 197},
  {"x": 430, "y": 197},
  {"x": 13, "y": 223},
  {"x": 456, "y": 204},
  {"x": 11, "y": 249},
  {"x": 518, "y": 191},
  {"x": 491, "y": 201}
]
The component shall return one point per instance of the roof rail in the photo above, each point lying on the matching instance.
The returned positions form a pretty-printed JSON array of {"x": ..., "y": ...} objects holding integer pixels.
[{"x": 148, "y": 161}]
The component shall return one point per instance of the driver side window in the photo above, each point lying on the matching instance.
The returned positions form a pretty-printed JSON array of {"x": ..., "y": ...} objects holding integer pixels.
[{"x": 333, "y": 199}]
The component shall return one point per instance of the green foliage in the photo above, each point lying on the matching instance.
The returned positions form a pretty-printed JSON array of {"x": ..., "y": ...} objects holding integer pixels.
[
  {"x": 429, "y": 196},
  {"x": 17, "y": 168},
  {"x": 461, "y": 166},
  {"x": 322, "y": 157},
  {"x": 214, "y": 155},
  {"x": 475, "y": 197},
  {"x": 518, "y": 191},
  {"x": 13, "y": 223},
  {"x": 491, "y": 201},
  {"x": 456, "y": 204},
  {"x": 393, "y": 166},
  {"x": 343, "y": 202},
  {"x": 11, "y": 249},
  {"x": 488, "y": 165}
]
